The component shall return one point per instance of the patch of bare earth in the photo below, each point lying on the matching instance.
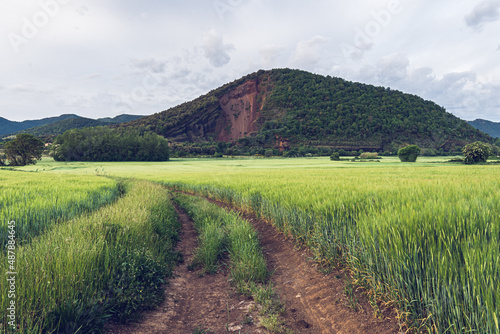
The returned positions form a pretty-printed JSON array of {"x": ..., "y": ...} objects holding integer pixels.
[{"x": 194, "y": 302}]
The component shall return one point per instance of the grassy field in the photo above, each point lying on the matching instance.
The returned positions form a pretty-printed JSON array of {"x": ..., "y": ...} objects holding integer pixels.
[
  {"x": 104, "y": 263},
  {"x": 425, "y": 236},
  {"x": 38, "y": 200}
]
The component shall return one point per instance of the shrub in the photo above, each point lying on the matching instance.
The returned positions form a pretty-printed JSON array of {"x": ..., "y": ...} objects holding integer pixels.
[
  {"x": 476, "y": 152},
  {"x": 368, "y": 155},
  {"x": 335, "y": 156},
  {"x": 409, "y": 153},
  {"x": 269, "y": 153}
]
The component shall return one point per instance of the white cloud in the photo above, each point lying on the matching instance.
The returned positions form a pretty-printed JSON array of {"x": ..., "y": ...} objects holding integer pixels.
[
  {"x": 392, "y": 68},
  {"x": 215, "y": 50},
  {"x": 150, "y": 64},
  {"x": 307, "y": 53},
  {"x": 485, "y": 11},
  {"x": 269, "y": 54}
]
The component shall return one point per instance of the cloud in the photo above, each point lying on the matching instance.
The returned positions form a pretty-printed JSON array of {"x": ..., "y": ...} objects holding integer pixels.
[
  {"x": 269, "y": 53},
  {"x": 486, "y": 11},
  {"x": 392, "y": 68},
  {"x": 150, "y": 64},
  {"x": 215, "y": 50},
  {"x": 22, "y": 89},
  {"x": 92, "y": 76},
  {"x": 307, "y": 53}
]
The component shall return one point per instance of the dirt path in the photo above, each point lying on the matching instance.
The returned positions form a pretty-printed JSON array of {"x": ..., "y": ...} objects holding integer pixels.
[
  {"x": 194, "y": 303},
  {"x": 315, "y": 303}
]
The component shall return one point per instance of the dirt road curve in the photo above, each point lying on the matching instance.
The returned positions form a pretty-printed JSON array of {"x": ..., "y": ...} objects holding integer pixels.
[{"x": 315, "y": 303}]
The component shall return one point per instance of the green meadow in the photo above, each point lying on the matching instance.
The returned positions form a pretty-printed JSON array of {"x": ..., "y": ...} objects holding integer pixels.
[{"x": 423, "y": 236}]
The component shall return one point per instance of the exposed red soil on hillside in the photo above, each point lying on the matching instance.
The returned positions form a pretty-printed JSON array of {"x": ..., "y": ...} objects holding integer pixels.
[{"x": 240, "y": 112}]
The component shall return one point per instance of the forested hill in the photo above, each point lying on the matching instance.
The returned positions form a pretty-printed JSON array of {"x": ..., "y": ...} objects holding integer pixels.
[
  {"x": 7, "y": 127},
  {"x": 285, "y": 108},
  {"x": 50, "y": 127},
  {"x": 491, "y": 128}
]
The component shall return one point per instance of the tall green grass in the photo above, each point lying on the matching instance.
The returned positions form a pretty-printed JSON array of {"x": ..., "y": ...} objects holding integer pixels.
[
  {"x": 427, "y": 239},
  {"x": 107, "y": 264},
  {"x": 36, "y": 201},
  {"x": 221, "y": 233}
]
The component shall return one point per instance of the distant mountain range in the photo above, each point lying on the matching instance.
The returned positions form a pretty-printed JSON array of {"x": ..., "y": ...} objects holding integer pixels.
[
  {"x": 491, "y": 128},
  {"x": 56, "y": 125}
]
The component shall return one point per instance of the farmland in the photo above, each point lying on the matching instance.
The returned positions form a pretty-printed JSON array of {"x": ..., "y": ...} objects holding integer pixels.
[{"x": 422, "y": 236}]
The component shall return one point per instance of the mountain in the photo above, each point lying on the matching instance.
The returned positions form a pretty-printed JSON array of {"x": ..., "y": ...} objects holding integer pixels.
[
  {"x": 57, "y": 125},
  {"x": 7, "y": 127},
  {"x": 491, "y": 128},
  {"x": 285, "y": 109},
  {"x": 120, "y": 119}
]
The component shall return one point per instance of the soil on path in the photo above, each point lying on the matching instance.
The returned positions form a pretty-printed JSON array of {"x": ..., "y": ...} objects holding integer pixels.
[
  {"x": 195, "y": 303},
  {"x": 315, "y": 302}
]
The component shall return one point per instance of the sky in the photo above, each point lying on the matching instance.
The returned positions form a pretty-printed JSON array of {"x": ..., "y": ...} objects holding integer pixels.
[{"x": 102, "y": 58}]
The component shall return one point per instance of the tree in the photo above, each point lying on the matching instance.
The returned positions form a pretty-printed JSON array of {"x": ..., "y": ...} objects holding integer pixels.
[
  {"x": 409, "y": 153},
  {"x": 335, "y": 156},
  {"x": 476, "y": 152},
  {"x": 24, "y": 150}
]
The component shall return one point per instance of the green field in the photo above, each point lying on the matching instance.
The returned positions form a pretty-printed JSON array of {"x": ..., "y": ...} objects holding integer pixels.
[{"x": 425, "y": 236}]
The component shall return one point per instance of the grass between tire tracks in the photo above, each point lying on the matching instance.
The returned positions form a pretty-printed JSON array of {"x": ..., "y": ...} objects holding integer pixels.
[
  {"x": 107, "y": 264},
  {"x": 223, "y": 233}
]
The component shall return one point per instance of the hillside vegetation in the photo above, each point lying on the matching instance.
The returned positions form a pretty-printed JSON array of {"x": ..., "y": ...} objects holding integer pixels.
[
  {"x": 491, "y": 128},
  {"x": 48, "y": 128},
  {"x": 285, "y": 109},
  {"x": 8, "y": 127}
]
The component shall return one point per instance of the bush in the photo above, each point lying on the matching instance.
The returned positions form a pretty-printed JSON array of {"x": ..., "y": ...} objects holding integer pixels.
[
  {"x": 409, "y": 153},
  {"x": 269, "y": 153},
  {"x": 335, "y": 156},
  {"x": 476, "y": 153},
  {"x": 368, "y": 155}
]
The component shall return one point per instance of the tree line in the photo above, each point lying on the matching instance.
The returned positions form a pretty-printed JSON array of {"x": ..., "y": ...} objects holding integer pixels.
[{"x": 106, "y": 144}]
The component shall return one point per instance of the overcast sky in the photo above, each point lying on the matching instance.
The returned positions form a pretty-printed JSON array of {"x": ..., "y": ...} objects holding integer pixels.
[{"x": 101, "y": 58}]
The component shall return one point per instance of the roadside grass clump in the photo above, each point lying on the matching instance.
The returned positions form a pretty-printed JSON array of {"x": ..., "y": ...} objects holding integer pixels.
[
  {"x": 109, "y": 264},
  {"x": 212, "y": 247},
  {"x": 36, "y": 201},
  {"x": 248, "y": 268},
  {"x": 222, "y": 234}
]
